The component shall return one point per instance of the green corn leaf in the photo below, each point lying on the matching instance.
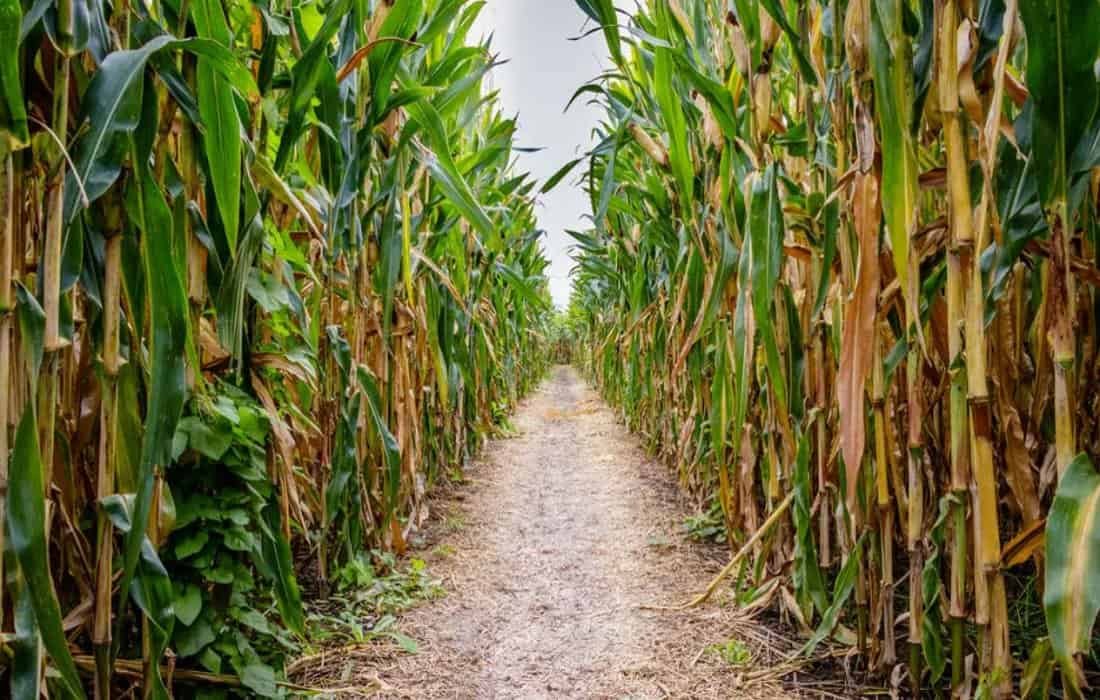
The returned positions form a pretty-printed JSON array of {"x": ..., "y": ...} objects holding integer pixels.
[
  {"x": 808, "y": 582},
  {"x": 445, "y": 173},
  {"x": 805, "y": 68},
  {"x": 603, "y": 13},
  {"x": 26, "y": 661},
  {"x": 766, "y": 229},
  {"x": 221, "y": 125},
  {"x": 520, "y": 284},
  {"x": 151, "y": 587},
  {"x": 26, "y": 523},
  {"x": 843, "y": 586},
  {"x": 932, "y": 593},
  {"x": 13, "y": 114},
  {"x": 401, "y": 22},
  {"x": 231, "y": 297},
  {"x": 304, "y": 77},
  {"x": 276, "y": 554},
  {"x": 391, "y": 452},
  {"x": 344, "y": 459},
  {"x": 560, "y": 175},
  {"x": 112, "y": 105},
  {"x": 716, "y": 94},
  {"x": 443, "y": 19},
  {"x": 679, "y": 150},
  {"x": 726, "y": 266},
  {"x": 389, "y": 267},
  {"x": 32, "y": 331},
  {"x": 112, "y": 108},
  {"x": 1071, "y": 599},
  {"x": 744, "y": 344},
  {"x": 607, "y": 182},
  {"x": 1038, "y": 675},
  {"x": 168, "y": 314},
  {"x": 720, "y": 401},
  {"x": 152, "y": 592},
  {"x": 1061, "y": 78},
  {"x": 891, "y": 64}
]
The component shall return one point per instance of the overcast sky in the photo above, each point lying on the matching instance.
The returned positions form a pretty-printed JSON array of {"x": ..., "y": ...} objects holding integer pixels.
[{"x": 543, "y": 72}]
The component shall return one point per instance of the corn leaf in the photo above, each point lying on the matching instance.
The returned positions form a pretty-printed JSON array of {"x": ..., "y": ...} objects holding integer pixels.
[
  {"x": 891, "y": 65},
  {"x": 1071, "y": 599},
  {"x": 445, "y": 172},
  {"x": 38, "y": 615},
  {"x": 221, "y": 125},
  {"x": 26, "y": 647},
  {"x": 561, "y": 174},
  {"x": 13, "y": 113},
  {"x": 1062, "y": 82},
  {"x": 679, "y": 151},
  {"x": 767, "y": 230},
  {"x": 808, "y": 581},
  {"x": 843, "y": 586},
  {"x": 858, "y": 334},
  {"x": 305, "y": 76},
  {"x": 602, "y": 12},
  {"x": 805, "y": 68},
  {"x": 26, "y": 523},
  {"x": 112, "y": 108},
  {"x": 401, "y": 23},
  {"x": 391, "y": 452},
  {"x": 168, "y": 313}
]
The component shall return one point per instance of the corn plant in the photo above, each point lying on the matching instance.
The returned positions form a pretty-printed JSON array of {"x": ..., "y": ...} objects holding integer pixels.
[
  {"x": 265, "y": 269},
  {"x": 843, "y": 265}
]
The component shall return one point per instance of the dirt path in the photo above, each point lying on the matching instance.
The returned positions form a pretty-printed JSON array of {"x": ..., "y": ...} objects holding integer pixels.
[{"x": 548, "y": 551}]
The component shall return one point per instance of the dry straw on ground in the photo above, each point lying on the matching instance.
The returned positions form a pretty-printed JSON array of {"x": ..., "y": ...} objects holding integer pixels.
[{"x": 565, "y": 532}]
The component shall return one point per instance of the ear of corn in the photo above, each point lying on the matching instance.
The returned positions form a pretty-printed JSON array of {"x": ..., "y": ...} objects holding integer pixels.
[
  {"x": 283, "y": 275},
  {"x": 849, "y": 252}
]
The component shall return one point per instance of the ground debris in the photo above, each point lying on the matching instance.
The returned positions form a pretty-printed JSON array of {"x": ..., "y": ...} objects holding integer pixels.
[{"x": 548, "y": 578}]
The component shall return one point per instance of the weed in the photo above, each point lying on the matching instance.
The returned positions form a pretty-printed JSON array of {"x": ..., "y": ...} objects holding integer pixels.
[
  {"x": 454, "y": 521},
  {"x": 733, "y": 652},
  {"x": 708, "y": 526},
  {"x": 443, "y": 551},
  {"x": 370, "y": 593}
]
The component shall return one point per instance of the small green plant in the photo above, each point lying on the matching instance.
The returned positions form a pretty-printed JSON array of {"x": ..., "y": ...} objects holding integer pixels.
[
  {"x": 499, "y": 411},
  {"x": 708, "y": 526},
  {"x": 454, "y": 521},
  {"x": 348, "y": 626},
  {"x": 456, "y": 475},
  {"x": 383, "y": 586},
  {"x": 733, "y": 652},
  {"x": 357, "y": 573},
  {"x": 443, "y": 551},
  {"x": 370, "y": 591}
]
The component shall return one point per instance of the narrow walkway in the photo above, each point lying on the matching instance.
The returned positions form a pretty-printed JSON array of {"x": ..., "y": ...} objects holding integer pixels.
[{"x": 547, "y": 553}]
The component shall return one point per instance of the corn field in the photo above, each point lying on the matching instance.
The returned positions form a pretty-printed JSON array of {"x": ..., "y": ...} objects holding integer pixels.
[
  {"x": 266, "y": 270},
  {"x": 843, "y": 269}
]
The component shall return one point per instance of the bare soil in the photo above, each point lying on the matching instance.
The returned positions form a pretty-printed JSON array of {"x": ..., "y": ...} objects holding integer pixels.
[{"x": 548, "y": 552}]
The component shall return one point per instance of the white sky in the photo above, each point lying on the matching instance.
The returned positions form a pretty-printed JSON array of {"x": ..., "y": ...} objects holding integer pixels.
[{"x": 543, "y": 72}]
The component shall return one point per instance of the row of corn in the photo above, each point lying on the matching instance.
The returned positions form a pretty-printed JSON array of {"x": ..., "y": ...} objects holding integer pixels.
[
  {"x": 843, "y": 266},
  {"x": 265, "y": 272}
]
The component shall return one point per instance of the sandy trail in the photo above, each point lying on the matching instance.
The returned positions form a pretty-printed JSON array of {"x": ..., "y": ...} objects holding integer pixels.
[{"x": 547, "y": 552}]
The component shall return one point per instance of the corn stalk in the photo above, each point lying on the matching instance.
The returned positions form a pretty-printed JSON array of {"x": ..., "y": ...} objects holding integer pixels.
[{"x": 908, "y": 227}]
